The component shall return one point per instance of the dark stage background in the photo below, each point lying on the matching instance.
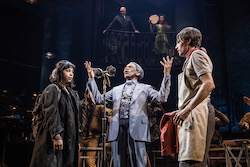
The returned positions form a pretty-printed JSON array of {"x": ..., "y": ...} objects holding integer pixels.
[{"x": 73, "y": 30}]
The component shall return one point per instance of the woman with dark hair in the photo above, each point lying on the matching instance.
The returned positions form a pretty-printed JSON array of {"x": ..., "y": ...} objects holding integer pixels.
[
  {"x": 56, "y": 143},
  {"x": 161, "y": 45}
]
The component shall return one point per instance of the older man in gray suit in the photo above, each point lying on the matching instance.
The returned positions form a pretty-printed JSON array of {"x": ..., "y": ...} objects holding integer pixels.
[{"x": 129, "y": 121}]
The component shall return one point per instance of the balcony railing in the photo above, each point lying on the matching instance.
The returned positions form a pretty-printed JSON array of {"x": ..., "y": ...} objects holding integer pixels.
[{"x": 121, "y": 47}]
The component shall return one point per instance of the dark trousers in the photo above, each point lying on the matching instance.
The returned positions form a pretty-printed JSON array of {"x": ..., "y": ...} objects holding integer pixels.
[{"x": 137, "y": 149}]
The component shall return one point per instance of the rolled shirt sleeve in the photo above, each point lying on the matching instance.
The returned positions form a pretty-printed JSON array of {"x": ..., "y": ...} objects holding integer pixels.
[{"x": 201, "y": 63}]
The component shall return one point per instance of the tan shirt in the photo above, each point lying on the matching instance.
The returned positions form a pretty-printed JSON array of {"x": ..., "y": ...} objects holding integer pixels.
[
  {"x": 192, "y": 134},
  {"x": 195, "y": 66}
]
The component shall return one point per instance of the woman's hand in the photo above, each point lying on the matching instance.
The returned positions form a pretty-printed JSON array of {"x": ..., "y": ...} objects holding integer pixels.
[{"x": 57, "y": 143}]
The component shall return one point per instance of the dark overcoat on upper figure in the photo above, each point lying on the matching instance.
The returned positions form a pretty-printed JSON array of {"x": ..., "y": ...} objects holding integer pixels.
[
  {"x": 122, "y": 24},
  {"x": 58, "y": 118}
]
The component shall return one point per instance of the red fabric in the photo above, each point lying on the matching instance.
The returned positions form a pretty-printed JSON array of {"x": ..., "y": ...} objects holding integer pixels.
[
  {"x": 194, "y": 49},
  {"x": 190, "y": 52},
  {"x": 204, "y": 49},
  {"x": 169, "y": 138}
]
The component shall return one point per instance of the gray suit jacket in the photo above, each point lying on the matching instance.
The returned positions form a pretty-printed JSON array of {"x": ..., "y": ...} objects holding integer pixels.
[{"x": 138, "y": 116}]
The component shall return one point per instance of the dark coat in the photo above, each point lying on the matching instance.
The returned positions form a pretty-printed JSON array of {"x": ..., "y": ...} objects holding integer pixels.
[
  {"x": 58, "y": 118},
  {"x": 122, "y": 24}
]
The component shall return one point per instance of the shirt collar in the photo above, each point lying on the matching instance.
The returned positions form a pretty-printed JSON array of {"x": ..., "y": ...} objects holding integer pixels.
[{"x": 135, "y": 81}]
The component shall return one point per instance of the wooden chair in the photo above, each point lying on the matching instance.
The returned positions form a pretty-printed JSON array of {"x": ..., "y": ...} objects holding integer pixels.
[
  {"x": 98, "y": 154},
  {"x": 232, "y": 147}
]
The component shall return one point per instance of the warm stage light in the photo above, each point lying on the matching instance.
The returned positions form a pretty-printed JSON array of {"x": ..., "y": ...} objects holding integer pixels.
[
  {"x": 49, "y": 55},
  {"x": 31, "y": 1}
]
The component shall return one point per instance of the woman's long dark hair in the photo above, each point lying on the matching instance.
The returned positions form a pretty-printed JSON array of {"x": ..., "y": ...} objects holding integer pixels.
[
  {"x": 165, "y": 21},
  {"x": 56, "y": 75}
]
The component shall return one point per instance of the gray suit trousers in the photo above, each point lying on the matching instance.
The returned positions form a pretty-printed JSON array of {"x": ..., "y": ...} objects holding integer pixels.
[{"x": 137, "y": 150}]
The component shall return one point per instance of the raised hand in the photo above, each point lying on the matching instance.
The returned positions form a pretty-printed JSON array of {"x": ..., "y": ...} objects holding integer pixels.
[
  {"x": 89, "y": 69},
  {"x": 246, "y": 126},
  {"x": 246, "y": 100},
  {"x": 167, "y": 64}
]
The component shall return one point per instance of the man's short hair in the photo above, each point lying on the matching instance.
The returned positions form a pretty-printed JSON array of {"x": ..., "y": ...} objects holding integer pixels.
[
  {"x": 190, "y": 33},
  {"x": 139, "y": 69}
]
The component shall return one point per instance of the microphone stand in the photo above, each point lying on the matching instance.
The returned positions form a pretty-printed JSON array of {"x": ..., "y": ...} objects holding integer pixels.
[{"x": 106, "y": 82}]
